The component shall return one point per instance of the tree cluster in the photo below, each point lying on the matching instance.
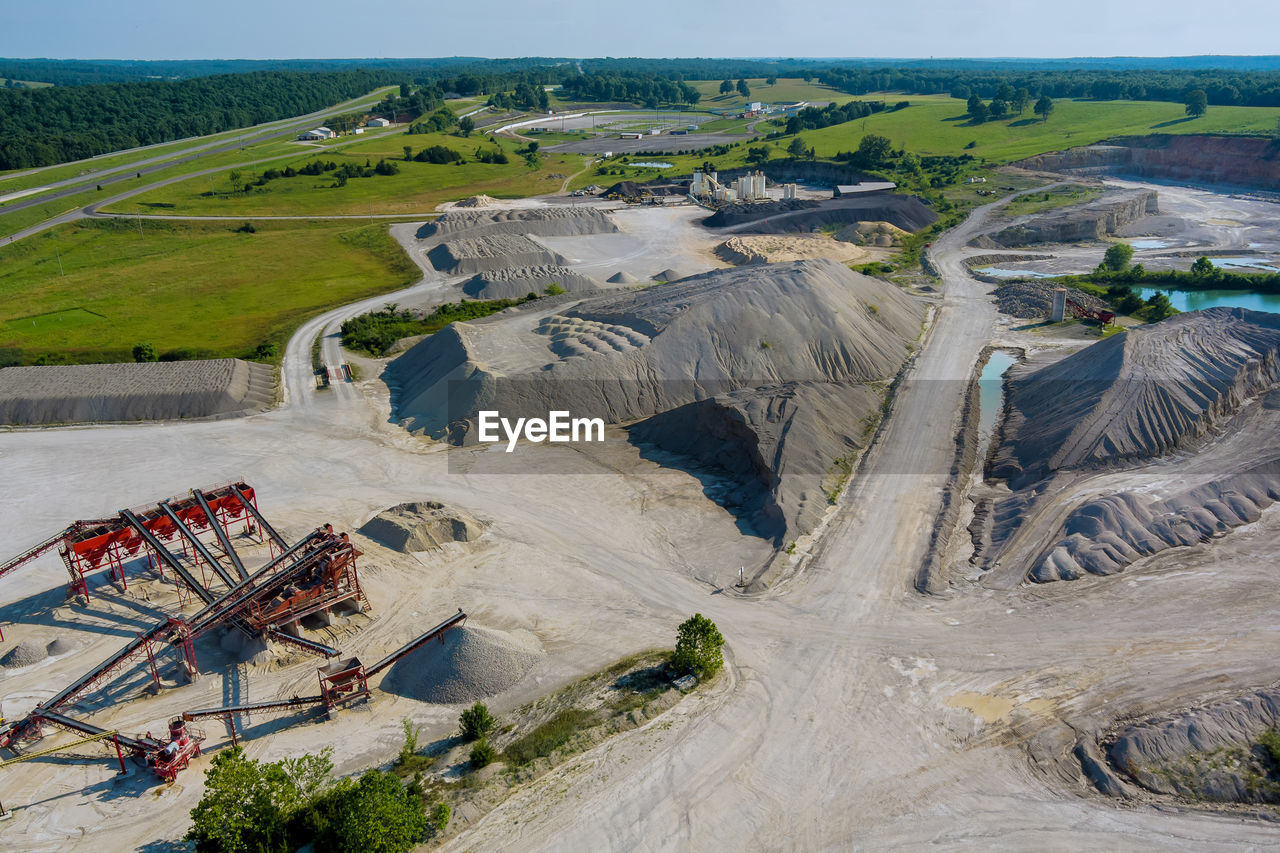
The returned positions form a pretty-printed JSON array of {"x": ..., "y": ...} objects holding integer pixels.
[
  {"x": 814, "y": 118},
  {"x": 651, "y": 90}
]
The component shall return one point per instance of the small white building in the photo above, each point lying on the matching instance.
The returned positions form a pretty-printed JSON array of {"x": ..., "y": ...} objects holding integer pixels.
[{"x": 379, "y": 122}]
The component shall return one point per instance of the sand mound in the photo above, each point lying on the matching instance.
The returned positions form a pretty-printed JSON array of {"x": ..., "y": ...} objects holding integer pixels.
[
  {"x": 485, "y": 254},
  {"x": 60, "y": 646},
  {"x": 24, "y": 654},
  {"x": 477, "y": 201},
  {"x": 542, "y": 221},
  {"x": 472, "y": 663},
  {"x": 1172, "y": 755},
  {"x": 86, "y": 393},
  {"x": 633, "y": 354},
  {"x": 623, "y": 277},
  {"x": 769, "y": 249},
  {"x": 871, "y": 233},
  {"x": 421, "y": 526},
  {"x": 1138, "y": 394},
  {"x": 668, "y": 275},
  {"x": 515, "y": 282},
  {"x": 1033, "y": 300}
]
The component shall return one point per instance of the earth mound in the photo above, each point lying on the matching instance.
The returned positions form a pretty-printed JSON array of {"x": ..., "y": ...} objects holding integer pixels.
[
  {"x": 1033, "y": 300},
  {"x": 668, "y": 275},
  {"x": 477, "y": 201},
  {"x": 1209, "y": 753},
  {"x": 60, "y": 646},
  {"x": 24, "y": 654},
  {"x": 781, "y": 330},
  {"x": 1084, "y": 222},
  {"x": 515, "y": 282},
  {"x": 471, "y": 663},
  {"x": 486, "y": 254},
  {"x": 1138, "y": 394},
  {"x": 542, "y": 221},
  {"x": 623, "y": 277},
  {"x": 805, "y": 215},
  {"x": 422, "y": 526},
  {"x": 769, "y": 249},
  {"x": 96, "y": 393},
  {"x": 871, "y": 234}
]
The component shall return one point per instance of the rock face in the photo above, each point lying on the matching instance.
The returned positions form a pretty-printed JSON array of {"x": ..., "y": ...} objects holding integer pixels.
[
  {"x": 486, "y": 254},
  {"x": 1208, "y": 753},
  {"x": 542, "y": 221},
  {"x": 764, "y": 340},
  {"x": 1081, "y": 223},
  {"x": 422, "y": 526},
  {"x": 1232, "y": 160},
  {"x": 515, "y": 282},
  {"x": 1138, "y": 394},
  {"x": 103, "y": 393}
]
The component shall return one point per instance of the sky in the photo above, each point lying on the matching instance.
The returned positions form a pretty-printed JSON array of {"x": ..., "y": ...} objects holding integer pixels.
[{"x": 273, "y": 29}]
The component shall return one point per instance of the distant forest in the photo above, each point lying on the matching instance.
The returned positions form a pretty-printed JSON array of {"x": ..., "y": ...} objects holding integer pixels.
[{"x": 101, "y": 106}]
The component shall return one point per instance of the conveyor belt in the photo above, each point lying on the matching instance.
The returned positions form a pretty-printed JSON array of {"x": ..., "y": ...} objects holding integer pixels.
[
  {"x": 141, "y": 745},
  {"x": 223, "y": 539},
  {"x": 251, "y": 707},
  {"x": 204, "y": 553},
  {"x": 262, "y": 522},
  {"x": 169, "y": 560},
  {"x": 301, "y": 642},
  {"x": 250, "y": 584},
  {"x": 415, "y": 643}
]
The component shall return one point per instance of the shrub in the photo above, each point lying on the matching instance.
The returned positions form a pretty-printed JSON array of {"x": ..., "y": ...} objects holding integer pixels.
[
  {"x": 554, "y": 289},
  {"x": 440, "y": 814},
  {"x": 482, "y": 754},
  {"x": 410, "y": 745},
  {"x": 144, "y": 352},
  {"x": 475, "y": 722},
  {"x": 1118, "y": 256},
  {"x": 1270, "y": 740},
  {"x": 698, "y": 647},
  {"x": 266, "y": 351},
  {"x": 548, "y": 737}
]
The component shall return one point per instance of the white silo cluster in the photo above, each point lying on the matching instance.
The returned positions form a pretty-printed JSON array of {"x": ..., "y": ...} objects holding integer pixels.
[
  {"x": 788, "y": 192},
  {"x": 750, "y": 187}
]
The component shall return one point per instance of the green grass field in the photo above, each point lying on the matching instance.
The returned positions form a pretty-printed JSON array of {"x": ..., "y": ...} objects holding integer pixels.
[
  {"x": 936, "y": 124},
  {"x": 788, "y": 90},
  {"x": 419, "y": 187},
  {"x": 1066, "y": 196},
  {"x": 184, "y": 286}
]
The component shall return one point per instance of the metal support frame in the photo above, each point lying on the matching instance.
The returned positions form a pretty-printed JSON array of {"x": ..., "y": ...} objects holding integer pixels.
[
  {"x": 190, "y": 535},
  {"x": 252, "y": 509},
  {"x": 222, "y": 531}
]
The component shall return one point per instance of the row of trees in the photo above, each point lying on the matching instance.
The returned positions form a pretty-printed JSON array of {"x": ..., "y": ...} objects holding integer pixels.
[
  {"x": 1007, "y": 102},
  {"x": 650, "y": 90},
  {"x": 814, "y": 118}
]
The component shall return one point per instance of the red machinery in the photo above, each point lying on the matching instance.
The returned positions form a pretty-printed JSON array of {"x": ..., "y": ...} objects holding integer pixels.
[
  {"x": 1080, "y": 312},
  {"x": 184, "y": 745}
]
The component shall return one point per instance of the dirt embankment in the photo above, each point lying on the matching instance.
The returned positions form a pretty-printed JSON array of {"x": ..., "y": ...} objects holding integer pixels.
[
  {"x": 1211, "y": 753},
  {"x": 515, "y": 282},
  {"x": 804, "y": 215},
  {"x": 1081, "y": 223},
  {"x": 1242, "y": 161},
  {"x": 542, "y": 221},
  {"x": 105, "y": 393}
]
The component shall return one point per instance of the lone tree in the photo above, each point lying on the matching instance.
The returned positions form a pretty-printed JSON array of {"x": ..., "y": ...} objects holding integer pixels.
[
  {"x": 743, "y": 89},
  {"x": 475, "y": 722},
  {"x": 698, "y": 647},
  {"x": 1197, "y": 102},
  {"x": 1118, "y": 257},
  {"x": 1044, "y": 107},
  {"x": 466, "y": 124},
  {"x": 1203, "y": 268},
  {"x": 797, "y": 148},
  {"x": 726, "y": 87},
  {"x": 145, "y": 352},
  {"x": 1021, "y": 100},
  {"x": 999, "y": 108}
]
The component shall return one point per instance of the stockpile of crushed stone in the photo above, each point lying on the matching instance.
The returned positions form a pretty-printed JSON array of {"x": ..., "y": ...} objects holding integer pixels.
[
  {"x": 472, "y": 663},
  {"x": 1033, "y": 300},
  {"x": 668, "y": 274},
  {"x": 24, "y": 653},
  {"x": 542, "y": 221},
  {"x": 421, "y": 526},
  {"x": 633, "y": 354},
  {"x": 477, "y": 201},
  {"x": 1138, "y": 394},
  {"x": 60, "y": 646},
  {"x": 776, "y": 248},
  {"x": 1182, "y": 754},
  {"x": 88, "y": 393},
  {"x": 871, "y": 233},
  {"x": 805, "y": 215},
  {"x": 515, "y": 282},
  {"x": 485, "y": 254},
  {"x": 623, "y": 277}
]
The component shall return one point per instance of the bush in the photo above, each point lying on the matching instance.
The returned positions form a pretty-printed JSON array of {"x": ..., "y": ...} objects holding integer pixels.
[
  {"x": 698, "y": 647},
  {"x": 482, "y": 754},
  {"x": 266, "y": 351},
  {"x": 375, "y": 815},
  {"x": 144, "y": 352},
  {"x": 247, "y": 228},
  {"x": 1270, "y": 741},
  {"x": 440, "y": 814},
  {"x": 554, "y": 289},
  {"x": 548, "y": 737},
  {"x": 410, "y": 745},
  {"x": 475, "y": 722},
  {"x": 1118, "y": 257}
]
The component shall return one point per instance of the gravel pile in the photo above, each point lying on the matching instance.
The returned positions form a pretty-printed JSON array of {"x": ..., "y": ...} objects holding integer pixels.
[
  {"x": 60, "y": 647},
  {"x": 477, "y": 201},
  {"x": 515, "y": 282},
  {"x": 542, "y": 221},
  {"x": 493, "y": 252},
  {"x": 421, "y": 526},
  {"x": 668, "y": 275},
  {"x": 24, "y": 654},
  {"x": 623, "y": 277},
  {"x": 472, "y": 663},
  {"x": 1033, "y": 300}
]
